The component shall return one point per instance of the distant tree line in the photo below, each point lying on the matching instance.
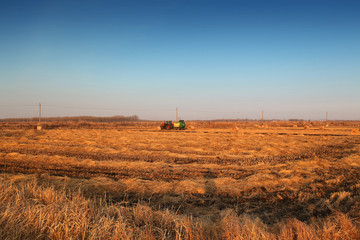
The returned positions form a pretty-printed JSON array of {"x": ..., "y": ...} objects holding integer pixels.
[{"x": 132, "y": 118}]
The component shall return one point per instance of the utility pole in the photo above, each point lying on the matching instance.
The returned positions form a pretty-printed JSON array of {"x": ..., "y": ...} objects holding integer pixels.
[
  {"x": 39, "y": 124},
  {"x": 262, "y": 116},
  {"x": 326, "y": 118},
  {"x": 39, "y": 113},
  {"x": 177, "y": 114}
]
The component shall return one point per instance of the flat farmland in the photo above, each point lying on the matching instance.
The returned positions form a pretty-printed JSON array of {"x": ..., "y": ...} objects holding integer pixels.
[{"x": 211, "y": 181}]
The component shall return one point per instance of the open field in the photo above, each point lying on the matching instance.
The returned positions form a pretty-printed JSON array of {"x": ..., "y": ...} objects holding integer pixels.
[{"x": 216, "y": 180}]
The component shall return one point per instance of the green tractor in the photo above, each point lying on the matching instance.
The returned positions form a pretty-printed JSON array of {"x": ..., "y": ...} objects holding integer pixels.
[
  {"x": 168, "y": 125},
  {"x": 180, "y": 125}
]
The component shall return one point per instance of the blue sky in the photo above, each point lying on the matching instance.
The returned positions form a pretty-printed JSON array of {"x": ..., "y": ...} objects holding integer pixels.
[{"x": 211, "y": 59}]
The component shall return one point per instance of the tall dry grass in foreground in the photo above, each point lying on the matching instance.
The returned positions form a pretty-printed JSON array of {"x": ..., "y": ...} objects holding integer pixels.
[{"x": 32, "y": 211}]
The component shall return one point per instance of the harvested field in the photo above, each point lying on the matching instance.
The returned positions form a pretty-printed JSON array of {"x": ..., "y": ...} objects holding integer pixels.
[{"x": 212, "y": 181}]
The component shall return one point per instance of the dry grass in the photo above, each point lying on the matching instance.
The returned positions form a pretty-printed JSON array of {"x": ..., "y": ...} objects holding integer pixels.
[
  {"x": 32, "y": 211},
  {"x": 213, "y": 181},
  {"x": 355, "y": 131}
]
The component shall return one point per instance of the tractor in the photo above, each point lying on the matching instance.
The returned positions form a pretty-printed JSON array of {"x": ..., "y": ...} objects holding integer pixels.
[{"x": 168, "y": 125}]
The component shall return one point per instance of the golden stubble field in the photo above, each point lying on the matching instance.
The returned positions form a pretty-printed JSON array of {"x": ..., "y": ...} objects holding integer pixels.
[{"x": 212, "y": 181}]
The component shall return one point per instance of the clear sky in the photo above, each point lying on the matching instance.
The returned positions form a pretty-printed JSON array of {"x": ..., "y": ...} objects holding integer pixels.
[{"x": 211, "y": 59}]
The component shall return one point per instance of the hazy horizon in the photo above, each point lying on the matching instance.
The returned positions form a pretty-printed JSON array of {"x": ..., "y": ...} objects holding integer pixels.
[
  {"x": 211, "y": 59},
  {"x": 268, "y": 116}
]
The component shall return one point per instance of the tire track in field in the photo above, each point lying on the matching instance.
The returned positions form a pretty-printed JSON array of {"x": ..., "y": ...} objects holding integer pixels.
[
  {"x": 79, "y": 170},
  {"x": 82, "y": 170},
  {"x": 328, "y": 151}
]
